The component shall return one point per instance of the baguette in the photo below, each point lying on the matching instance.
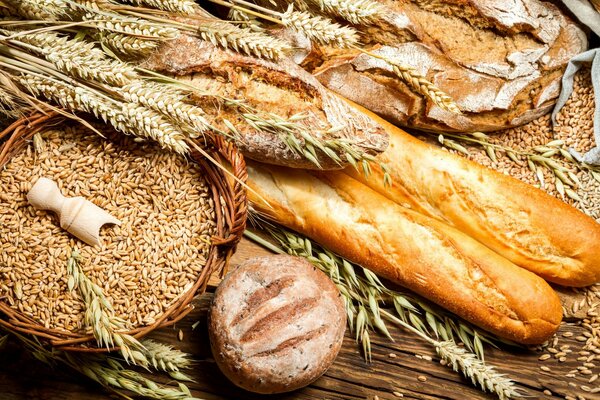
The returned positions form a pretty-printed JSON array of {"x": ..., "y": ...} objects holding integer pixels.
[
  {"x": 520, "y": 222},
  {"x": 420, "y": 253}
]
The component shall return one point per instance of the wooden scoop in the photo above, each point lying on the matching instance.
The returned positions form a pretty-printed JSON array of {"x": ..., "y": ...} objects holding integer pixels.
[{"x": 78, "y": 216}]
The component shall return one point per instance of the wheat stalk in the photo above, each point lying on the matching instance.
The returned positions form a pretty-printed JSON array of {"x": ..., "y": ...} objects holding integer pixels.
[
  {"x": 481, "y": 374},
  {"x": 41, "y": 10},
  {"x": 417, "y": 82},
  {"x": 537, "y": 158},
  {"x": 100, "y": 315},
  {"x": 108, "y": 371},
  {"x": 127, "y": 35},
  {"x": 362, "y": 295},
  {"x": 167, "y": 359},
  {"x": 128, "y": 118},
  {"x": 176, "y": 6},
  {"x": 357, "y": 12},
  {"x": 367, "y": 291},
  {"x": 319, "y": 29},
  {"x": 169, "y": 102},
  {"x": 11, "y": 104},
  {"x": 77, "y": 57},
  {"x": 226, "y": 35}
]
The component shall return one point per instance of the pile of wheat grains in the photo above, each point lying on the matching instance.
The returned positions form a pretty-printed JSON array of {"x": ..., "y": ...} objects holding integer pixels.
[
  {"x": 143, "y": 266},
  {"x": 575, "y": 126}
]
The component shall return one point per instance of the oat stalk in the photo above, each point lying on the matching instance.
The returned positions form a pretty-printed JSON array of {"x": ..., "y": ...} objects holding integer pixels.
[
  {"x": 363, "y": 294},
  {"x": 366, "y": 290},
  {"x": 105, "y": 370},
  {"x": 107, "y": 328}
]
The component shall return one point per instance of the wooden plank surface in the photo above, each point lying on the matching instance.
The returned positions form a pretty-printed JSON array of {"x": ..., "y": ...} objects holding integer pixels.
[{"x": 350, "y": 377}]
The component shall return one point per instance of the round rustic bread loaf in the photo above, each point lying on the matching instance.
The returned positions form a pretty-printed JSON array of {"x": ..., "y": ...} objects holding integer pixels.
[
  {"x": 276, "y": 324},
  {"x": 501, "y": 61}
]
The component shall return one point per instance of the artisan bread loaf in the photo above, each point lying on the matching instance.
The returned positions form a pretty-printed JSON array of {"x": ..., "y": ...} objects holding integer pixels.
[
  {"x": 270, "y": 91},
  {"x": 276, "y": 324},
  {"x": 415, "y": 251},
  {"x": 501, "y": 61},
  {"x": 520, "y": 222}
]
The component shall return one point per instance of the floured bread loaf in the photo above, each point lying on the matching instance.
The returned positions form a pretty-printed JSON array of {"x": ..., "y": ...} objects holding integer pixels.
[
  {"x": 501, "y": 61},
  {"x": 269, "y": 88},
  {"x": 276, "y": 324}
]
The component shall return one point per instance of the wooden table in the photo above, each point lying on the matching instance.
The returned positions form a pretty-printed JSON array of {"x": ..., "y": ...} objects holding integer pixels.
[{"x": 395, "y": 368}]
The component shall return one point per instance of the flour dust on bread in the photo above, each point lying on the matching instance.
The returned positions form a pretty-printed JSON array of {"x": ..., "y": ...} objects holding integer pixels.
[
  {"x": 276, "y": 324},
  {"x": 500, "y": 61},
  {"x": 281, "y": 88},
  {"x": 420, "y": 253}
]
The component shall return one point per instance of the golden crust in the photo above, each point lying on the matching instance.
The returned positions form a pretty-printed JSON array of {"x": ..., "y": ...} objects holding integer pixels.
[
  {"x": 520, "y": 222},
  {"x": 415, "y": 251}
]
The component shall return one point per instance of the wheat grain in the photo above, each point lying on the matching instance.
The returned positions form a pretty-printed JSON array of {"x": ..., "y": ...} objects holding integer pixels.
[
  {"x": 143, "y": 266},
  {"x": 319, "y": 29},
  {"x": 358, "y": 12}
]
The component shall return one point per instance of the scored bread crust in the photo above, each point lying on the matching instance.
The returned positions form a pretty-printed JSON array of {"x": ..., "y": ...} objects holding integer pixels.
[
  {"x": 421, "y": 253},
  {"x": 276, "y": 324},
  {"x": 281, "y": 88},
  {"x": 526, "y": 225},
  {"x": 501, "y": 62}
]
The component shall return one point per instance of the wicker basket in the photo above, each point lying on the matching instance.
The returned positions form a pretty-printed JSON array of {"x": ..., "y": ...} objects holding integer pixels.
[{"x": 230, "y": 210}]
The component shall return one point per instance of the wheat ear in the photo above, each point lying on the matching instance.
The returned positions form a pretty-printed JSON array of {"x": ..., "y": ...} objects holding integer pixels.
[
  {"x": 319, "y": 29},
  {"x": 244, "y": 40},
  {"x": 169, "y": 102},
  {"x": 417, "y": 82},
  {"x": 358, "y": 12},
  {"x": 79, "y": 58},
  {"x": 176, "y": 6},
  {"x": 128, "y": 118},
  {"x": 100, "y": 315},
  {"x": 42, "y": 10}
]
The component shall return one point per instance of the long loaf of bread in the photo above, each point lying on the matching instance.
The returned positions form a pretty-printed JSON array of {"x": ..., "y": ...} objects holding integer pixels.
[
  {"x": 415, "y": 251},
  {"x": 524, "y": 224}
]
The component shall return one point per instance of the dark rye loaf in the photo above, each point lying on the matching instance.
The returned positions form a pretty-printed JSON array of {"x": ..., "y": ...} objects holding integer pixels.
[{"x": 276, "y": 324}]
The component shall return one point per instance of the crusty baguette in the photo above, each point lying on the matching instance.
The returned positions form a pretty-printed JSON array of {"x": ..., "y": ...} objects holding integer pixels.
[
  {"x": 281, "y": 88},
  {"x": 520, "y": 222},
  {"x": 418, "y": 252}
]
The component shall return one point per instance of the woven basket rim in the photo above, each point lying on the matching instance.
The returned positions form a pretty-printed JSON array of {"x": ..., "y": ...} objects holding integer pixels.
[{"x": 230, "y": 201}]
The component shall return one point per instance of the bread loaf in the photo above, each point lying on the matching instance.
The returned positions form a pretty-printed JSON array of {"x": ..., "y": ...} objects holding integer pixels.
[
  {"x": 282, "y": 89},
  {"x": 276, "y": 324},
  {"x": 501, "y": 61},
  {"x": 415, "y": 251},
  {"x": 520, "y": 222}
]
